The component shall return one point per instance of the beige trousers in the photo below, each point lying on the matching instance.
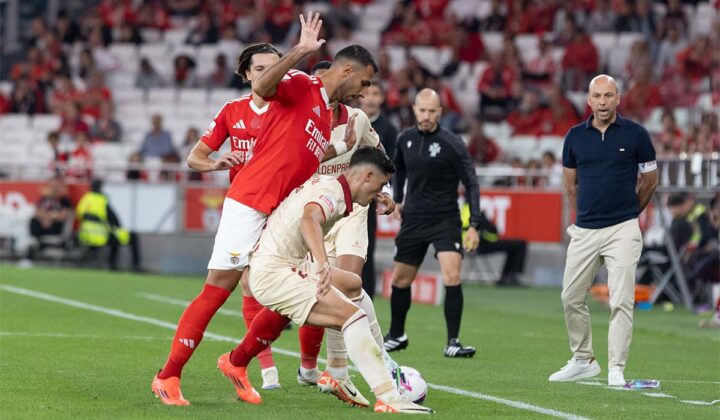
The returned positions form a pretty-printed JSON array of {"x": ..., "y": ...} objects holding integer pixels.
[{"x": 619, "y": 247}]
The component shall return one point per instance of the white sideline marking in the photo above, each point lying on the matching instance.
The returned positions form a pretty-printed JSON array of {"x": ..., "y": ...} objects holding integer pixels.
[
  {"x": 83, "y": 336},
  {"x": 701, "y": 402},
  {"x": 656, "y": 394},
  {"x": 171, "y": 326},
  {"x": 173, "y": 301}
]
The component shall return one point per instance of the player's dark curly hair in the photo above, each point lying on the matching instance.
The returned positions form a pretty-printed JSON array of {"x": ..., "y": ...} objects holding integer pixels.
[
  {"x": 358, "y": 54},
  {"x": 245, "y": 59},
  {"x": 374, "y": 156}
]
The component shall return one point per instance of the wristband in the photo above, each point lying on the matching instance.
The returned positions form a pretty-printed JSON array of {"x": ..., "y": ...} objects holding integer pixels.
[{"x": 340, "y": 147}]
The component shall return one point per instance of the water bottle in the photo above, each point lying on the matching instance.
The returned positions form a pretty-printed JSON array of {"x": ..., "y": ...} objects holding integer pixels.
[{"x": 643, "y": 384}]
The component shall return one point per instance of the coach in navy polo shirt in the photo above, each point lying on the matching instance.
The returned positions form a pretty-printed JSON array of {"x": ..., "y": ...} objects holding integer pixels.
[{"x": 601, "y": 160}]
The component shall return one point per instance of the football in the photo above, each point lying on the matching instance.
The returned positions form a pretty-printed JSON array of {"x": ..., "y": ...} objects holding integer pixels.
[{"x": 410, "y": 383}]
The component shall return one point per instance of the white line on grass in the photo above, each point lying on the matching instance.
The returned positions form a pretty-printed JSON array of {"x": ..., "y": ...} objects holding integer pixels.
[
  {"x": 653, "y": 394},
  {"x": 83, "y": 336},
  {"x": 120, "y": 314},
  {"x": 173, "y": 301}
]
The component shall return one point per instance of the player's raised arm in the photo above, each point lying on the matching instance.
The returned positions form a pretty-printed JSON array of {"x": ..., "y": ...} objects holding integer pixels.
[{"x": 266, "y": 84}]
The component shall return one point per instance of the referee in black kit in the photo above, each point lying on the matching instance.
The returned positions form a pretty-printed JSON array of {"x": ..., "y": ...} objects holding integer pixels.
[{"x": 433, "y": 161}]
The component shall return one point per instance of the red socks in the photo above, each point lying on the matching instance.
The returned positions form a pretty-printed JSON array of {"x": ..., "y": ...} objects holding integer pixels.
[
  {"x": 310, "y": 342},
  {"x": 265, "y": 328},
  {"x": 191, "y": 328},
  {"x": 250, "y": 309}
]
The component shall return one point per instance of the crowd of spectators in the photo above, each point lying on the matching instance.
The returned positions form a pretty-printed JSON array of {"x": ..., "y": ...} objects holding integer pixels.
[{"x": 67, "y": 62}]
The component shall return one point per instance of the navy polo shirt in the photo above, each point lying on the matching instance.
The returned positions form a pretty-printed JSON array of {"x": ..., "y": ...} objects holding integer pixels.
[{"x": 607, "y": 169}]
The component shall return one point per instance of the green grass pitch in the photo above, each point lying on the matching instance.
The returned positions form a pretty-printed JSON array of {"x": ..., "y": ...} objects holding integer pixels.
[{"x": 86, "y": 344}]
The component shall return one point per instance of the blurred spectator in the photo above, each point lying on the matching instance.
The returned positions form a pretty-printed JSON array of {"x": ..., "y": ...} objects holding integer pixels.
[
  {"x": 106, "y": 128},
  {"x": 602, "y": 18},
  {"x": 79, "y": 167},
  {"x": 534, "y": 179},
  {"x": 71, "y": 121},
  {"x": 639, "y": 58},
  {"x": 554, "y": 170},
  {"x": 95, "y": 94},
  {"x": 580, "y": 61},
  {"x": 706, "y": 268},
  {"x": 184, "y": 73},
  {"x": 100, "y": 228},
  {"x": 529, "y": 117},
  {"x": 67, "y": 30},
  {"x": 129, "y": 34},
  {"x": 4, "y": 104},
  {"x": 26, "y": 98},
  {"x": 341, "y": 14},
  {"x": 540, "y": 71},
  {"x": 570, "y": 9},
  {"x": 115, "y": 12},
  {"x": 412, "y": 31},
  {"x": 51, "y": 217},
  {"x": 482, "y": 149},
  {"x": 625, "y": 20},
  {"x": 670, "y": 47},
  {"x": 147, "y": 77},
  {"x": 63, "y": 93},
  {"x": 104, "y": 59},
  {"x": 134, "y": 173},
  {"x": 204, "y": 31},
  {"x": 152, "y": 15},
  {"x": 496, "y": 20},
  {"x": 281, "y": 14},
  {"x": 645, "y": 18},
  {"x": 184, "y": 8},
  {"x": 642, "y": 97},
  {"x": 222, "y": 75},
  {"x": 496, "y": 88},
  {"x": 85, "y": 64},
  {"x": 38, "y": 30},
  {"x": 158, "y": 142},
  {"x": 467, "y": 45},
  {"x": 564, "y": 114},
  {"x": 675, "y": 16},
  {"x": 191, "y": 139},
  {"x": 695, "y": 60},
  {"x": 59, "y": 158},
  {"x": 670, "y": 139}
]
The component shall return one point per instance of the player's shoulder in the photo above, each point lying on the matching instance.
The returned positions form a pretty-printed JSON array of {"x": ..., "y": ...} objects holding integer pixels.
[{"x": 239, "y": 103}]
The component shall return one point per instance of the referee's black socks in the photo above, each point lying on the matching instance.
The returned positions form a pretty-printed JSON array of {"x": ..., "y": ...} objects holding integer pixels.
[
  {"x": 399, "y": 307},
  {"x": 453, "y": 310}
]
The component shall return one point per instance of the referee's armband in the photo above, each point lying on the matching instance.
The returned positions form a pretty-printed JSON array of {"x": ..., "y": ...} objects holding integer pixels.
[{"x": 647, "y": 166}]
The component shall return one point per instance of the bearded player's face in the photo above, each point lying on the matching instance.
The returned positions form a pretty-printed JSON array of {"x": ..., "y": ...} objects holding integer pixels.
[{"x": 355, "y": 86}]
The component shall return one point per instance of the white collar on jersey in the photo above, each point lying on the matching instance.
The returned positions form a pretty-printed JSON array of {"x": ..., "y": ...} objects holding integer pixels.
[
  {"x": 325, "y": 97},
  {"x": 257, "y": 110}
]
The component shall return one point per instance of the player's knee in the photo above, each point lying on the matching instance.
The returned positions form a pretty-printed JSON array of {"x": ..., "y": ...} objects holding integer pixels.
[
  {"x": 452, "y": 278},
  {"x": 349, "y": 313},
  {"x": 401, "y": 282},
  {"x": 227, "y": 279},
  {"x": 570, "y": 298}
]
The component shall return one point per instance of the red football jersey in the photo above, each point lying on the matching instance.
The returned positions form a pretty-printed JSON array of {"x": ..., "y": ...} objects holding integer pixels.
[
  {"x": 240, "y": 121},
  {"x": 291, "y": 143}
]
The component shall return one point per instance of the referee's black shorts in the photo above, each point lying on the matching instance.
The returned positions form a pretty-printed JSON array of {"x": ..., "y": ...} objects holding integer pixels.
[{"x": 414, "y": 237}]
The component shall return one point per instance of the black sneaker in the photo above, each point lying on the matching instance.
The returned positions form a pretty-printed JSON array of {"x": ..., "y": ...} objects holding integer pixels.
[
  {"x": 456, "y": 349},
  {"x": 395, "y": 343}
]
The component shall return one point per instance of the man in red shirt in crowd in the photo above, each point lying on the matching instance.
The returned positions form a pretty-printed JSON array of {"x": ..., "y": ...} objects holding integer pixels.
[{"x": 290, "y": 145}]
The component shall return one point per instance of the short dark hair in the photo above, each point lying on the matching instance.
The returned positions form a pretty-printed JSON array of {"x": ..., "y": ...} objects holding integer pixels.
[
  {"x": 320, "y": 65},
  {"x": 358, "y": 54},
  {"x": 374, "y": 156},
  {"x": 247, "y": 54}
]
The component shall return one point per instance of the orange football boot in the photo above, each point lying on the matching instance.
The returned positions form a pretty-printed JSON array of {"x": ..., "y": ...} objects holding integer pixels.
[
  {"x": 239, "y": 379},
  {"x": 168, "y": 391}
]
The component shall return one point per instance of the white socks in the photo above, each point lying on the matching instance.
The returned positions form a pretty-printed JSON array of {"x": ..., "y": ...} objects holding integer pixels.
[
  {"x": 364, "y": 351},
  {"x": 366, "y": 304}
]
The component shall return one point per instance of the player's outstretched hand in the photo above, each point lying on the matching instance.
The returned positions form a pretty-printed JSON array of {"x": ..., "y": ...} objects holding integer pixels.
[
  {"x": 309, "y": 32},
  {"x": 472, "y": 239},
  {"x": 386, "y": 205},
  {"x": 397, "y": 214},
  {"x": 324, "y": 276},
  {"x": 227, "y": 161},
  {"x": 350, "y": 135}
]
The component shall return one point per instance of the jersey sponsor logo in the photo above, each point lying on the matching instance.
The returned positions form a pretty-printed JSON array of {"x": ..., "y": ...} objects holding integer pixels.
[
  {"x": 317, "y": 143},
  {"x": 240, "y": 125},
  {"x": 434, "y": 149},
  {"x": 329, "y": 200}
]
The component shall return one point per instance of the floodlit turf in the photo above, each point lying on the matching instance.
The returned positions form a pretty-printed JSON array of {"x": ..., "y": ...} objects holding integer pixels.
[{"x": 62, "y": 361}]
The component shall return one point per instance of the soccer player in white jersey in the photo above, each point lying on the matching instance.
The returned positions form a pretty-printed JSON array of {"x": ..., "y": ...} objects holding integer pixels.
[
  {"x": 346, "y": 245},
  {"x": 292, "y": 288}
]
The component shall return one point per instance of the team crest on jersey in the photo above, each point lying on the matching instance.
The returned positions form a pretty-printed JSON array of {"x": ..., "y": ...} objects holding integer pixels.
[
  {"x": 409, "y": 143},
  {"x": 234, "y": 258},
  {"x": 434, "y": 149}
]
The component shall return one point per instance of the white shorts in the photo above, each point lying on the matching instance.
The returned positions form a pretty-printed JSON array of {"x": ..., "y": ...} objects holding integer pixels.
[
  {"x": 349, "y": 236},
  {"x": 288, "y": 290},
  {"x": 238, "y": 232}
]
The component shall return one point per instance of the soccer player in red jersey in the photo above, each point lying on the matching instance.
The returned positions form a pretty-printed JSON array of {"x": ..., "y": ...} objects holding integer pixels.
[{"x": 291, "y": 142}]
